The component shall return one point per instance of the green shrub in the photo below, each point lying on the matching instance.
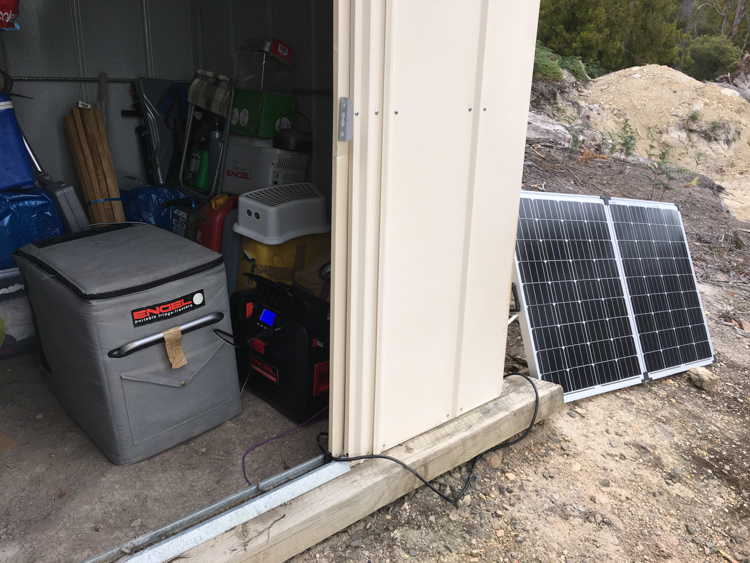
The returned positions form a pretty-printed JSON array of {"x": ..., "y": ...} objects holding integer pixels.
[
  {"x": 574, "y": 66},
  {"x": 709, "y": 56},
  {"x": 549, "y": 66},
  {"x": 545, "y": 64},
  {"x": 594, "y": 70}
]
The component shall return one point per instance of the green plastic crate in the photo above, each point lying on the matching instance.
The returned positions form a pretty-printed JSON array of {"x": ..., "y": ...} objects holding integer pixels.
[{"x": 256, "y": 113}]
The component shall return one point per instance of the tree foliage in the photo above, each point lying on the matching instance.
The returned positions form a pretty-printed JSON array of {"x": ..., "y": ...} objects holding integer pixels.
[
  {"x": 613, "y": 33},
  {"x": 709, "y": 56},
  {"x": 721, "y": 17}
]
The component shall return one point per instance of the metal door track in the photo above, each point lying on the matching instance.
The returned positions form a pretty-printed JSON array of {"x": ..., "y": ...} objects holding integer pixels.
[{"x": 194, "y": 529}]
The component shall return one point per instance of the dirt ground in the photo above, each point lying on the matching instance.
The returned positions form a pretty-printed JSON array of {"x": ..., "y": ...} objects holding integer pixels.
[
  {"x": 62, "y": 501},
  {"x": 654, "y": 472}
]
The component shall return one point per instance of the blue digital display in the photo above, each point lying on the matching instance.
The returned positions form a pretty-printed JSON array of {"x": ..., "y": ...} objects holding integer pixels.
[{"x": 267, "y": 317}]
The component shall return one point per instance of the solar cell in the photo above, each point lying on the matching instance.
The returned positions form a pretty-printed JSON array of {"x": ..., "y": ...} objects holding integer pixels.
[{"x": 608, "y": 293}]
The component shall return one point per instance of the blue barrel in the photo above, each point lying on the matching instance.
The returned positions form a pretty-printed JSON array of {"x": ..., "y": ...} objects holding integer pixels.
[{"x": 15, "y": 166}]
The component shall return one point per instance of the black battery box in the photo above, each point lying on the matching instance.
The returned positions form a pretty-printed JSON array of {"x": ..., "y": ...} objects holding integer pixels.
[{"x": 286, "y": 358}]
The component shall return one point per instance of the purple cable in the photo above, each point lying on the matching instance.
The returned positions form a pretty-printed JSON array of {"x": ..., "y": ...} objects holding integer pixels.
[{"x": 275, "y": 438}]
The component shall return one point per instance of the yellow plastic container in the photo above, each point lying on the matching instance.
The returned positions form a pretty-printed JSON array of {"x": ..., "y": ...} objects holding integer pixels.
[{"x": 280, "y": 262}]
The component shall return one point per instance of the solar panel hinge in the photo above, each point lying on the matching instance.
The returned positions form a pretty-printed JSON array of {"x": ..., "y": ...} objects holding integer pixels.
[
  {"x": 646, "y": 377},
  {"x": 606, "y": 199}
]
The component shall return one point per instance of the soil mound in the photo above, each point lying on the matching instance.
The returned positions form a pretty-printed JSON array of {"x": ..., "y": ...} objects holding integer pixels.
[{"x": 706, "y": 124}]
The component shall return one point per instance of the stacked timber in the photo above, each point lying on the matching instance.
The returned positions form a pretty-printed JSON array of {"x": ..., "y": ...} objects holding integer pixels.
[{"x": 93, "y": 162}]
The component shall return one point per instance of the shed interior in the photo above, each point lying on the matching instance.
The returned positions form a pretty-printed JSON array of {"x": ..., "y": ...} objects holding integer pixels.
[{"x": 61, "y": 499}]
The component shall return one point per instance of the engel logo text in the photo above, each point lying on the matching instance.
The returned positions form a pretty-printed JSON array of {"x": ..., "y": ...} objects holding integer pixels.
[
  {"x": 152, "y": 313},
  {"x": 243, "y": 175},
  {"x": 167, "y": 308},
  {"x": 237, "y": 171}
]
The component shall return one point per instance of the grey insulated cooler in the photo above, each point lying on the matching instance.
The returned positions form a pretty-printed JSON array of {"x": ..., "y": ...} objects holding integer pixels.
[{"x": 102, "y": 299}]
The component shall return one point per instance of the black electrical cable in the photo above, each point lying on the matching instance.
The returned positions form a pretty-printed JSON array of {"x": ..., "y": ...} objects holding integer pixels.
[
  {"x": 330, "y": 457},
  {"x": 224, "y": 336}
]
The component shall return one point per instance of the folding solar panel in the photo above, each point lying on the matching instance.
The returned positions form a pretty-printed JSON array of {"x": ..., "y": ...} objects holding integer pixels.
[
  {"x": 607, "y": 291},
  {"x": 661, "y": 282}
]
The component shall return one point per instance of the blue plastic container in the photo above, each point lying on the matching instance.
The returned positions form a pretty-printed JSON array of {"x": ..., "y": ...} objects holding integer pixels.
[{"x": 15, "y": 166}]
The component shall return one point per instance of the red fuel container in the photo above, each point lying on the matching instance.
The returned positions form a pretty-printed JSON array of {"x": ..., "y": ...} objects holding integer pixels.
[{"x": 211, "y": 221}]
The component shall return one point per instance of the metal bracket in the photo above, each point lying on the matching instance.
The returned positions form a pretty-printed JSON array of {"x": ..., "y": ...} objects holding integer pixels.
[
  {"x": 84, "y": 105},
  {"x": 346, "y": 120},
  {"x": 646, "y": 377},
  {"x": 606, "y": 199}
]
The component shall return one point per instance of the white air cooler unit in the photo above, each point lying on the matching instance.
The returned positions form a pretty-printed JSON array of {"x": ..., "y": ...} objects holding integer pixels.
[
  {"x": 277, "y": 214},
  {"x": 252, "y": 163},
  {"x": 102, "y": 300}
]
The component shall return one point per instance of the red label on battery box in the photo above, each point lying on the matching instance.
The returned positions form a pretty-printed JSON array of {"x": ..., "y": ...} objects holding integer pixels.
[
  {"x": 167, "y": 309},
  {"x": 282, "y": 50},
  {"x": 266, "y": 370}
]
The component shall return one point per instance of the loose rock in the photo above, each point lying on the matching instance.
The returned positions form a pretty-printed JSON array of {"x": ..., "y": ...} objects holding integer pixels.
[
  {"x": 495, "y": 459},
  {"x": 703, "y": 379}
]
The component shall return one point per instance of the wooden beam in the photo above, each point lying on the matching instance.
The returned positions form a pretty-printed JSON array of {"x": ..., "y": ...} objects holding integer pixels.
[
  {"x": 95, "y": 147},
  {"x": 109, "y": 168},
  {"x": 94, "y": 212},
  {"x": 289, "y": 529},
  {"x": 91, "y": 158}
]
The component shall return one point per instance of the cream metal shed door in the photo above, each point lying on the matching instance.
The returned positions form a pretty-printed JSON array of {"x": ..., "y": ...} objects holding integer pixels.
[{"x": 432, "y": 190}]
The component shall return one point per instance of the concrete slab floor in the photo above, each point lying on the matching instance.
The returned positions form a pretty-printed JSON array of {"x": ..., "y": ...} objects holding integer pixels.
[{"x": 57, "y": 488}]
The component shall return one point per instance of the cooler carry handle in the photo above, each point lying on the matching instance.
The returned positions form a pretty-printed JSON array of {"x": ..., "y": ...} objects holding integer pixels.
[{"x": 127, "y": 349}]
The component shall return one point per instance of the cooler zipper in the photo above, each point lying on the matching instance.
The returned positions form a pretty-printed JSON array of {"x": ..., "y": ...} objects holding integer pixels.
[{"x": 121, "y": 292}]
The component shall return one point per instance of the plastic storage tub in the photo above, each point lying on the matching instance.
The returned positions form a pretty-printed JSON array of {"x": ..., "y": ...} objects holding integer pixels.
[
  {"x": 102, "y": 300},
  {"x": 280, "y": 262}
]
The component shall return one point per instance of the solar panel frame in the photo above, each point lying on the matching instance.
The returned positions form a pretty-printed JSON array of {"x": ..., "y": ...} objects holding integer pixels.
[
  {"x": 640, "y": 249},
  {"x": 606, "y": 269}
]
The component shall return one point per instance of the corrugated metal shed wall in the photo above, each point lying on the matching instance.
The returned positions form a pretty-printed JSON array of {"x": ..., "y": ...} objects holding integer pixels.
[
  {"x": 80, "y": 38},
  {"x": 161, "y": 39},
  {"x": 307, "y": 26}
]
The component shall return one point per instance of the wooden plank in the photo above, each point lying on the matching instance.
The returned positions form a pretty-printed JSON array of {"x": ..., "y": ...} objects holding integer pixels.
[
  {"x": 92, "y": 137},
  {"x": 75, "y": 151},
  {"x": 91, "y": 158},
  {"x": 109, "y": 167},
  {"x": 78, "y": 149},
  {"x": 287, "y": 530}
]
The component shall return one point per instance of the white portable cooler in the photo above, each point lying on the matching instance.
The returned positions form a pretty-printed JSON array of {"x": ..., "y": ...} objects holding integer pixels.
[
  {"x": 101, "y": 301},
  {"x": 252, "y": 163}
]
